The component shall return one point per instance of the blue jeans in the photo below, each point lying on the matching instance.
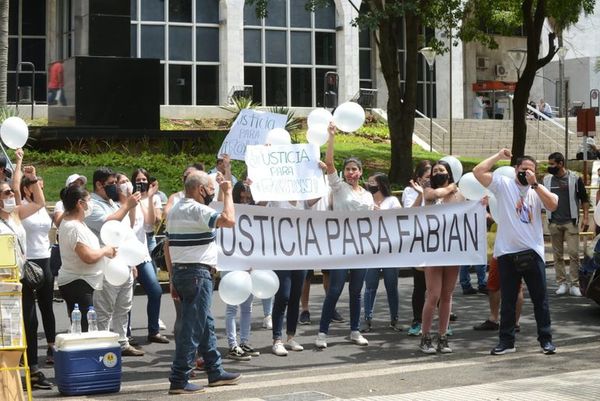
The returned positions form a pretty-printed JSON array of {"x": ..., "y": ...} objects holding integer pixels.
[
  {"x": 390, "y": 280},
  {"x": 245, "y": 322},
  {"x": 465, "y": 277},
  {"x": 287, "y": 296},
  {"x": 535, "y": 279},
  {"x": 194, "y": 287},
  {"x": 337, "y": 280},
  {"x": 267, "y": 304},
  {"x": 147, "y": 278},
  {"x": 150, "y": 241}
]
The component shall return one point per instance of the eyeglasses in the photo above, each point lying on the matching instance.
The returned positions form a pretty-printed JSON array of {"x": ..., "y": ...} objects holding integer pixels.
[{"x": 8, "y": 192}]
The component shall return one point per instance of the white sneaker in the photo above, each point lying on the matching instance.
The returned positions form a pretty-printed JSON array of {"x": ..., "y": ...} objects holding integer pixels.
[
  {"x": 562, "y": 289},
  {"x": 267, "y": 323},
  {"x": 293, "y": 345},
  {"x": 279, "y": 349},
  {"x": 358, "y": 338},
  {"x": 321, "y": 341},
  {"x": 575, "y": 291},
  {"x": 161, "y": 325}
]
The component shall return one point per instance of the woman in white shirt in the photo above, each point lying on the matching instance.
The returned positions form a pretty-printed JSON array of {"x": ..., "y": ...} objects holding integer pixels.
[
  {"x": 348, "y": 196},
  {"x": 379, "y": 186}
]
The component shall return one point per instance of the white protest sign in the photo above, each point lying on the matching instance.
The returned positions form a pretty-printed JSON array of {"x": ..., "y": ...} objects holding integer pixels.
[
  {"x": 451, "y": 234},
  {"x": 285, "y": 172},
  {"x": 250, "y": 128}
]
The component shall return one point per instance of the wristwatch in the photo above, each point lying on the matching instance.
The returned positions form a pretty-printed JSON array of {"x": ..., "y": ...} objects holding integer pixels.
[{"x": 534, "y": 186}]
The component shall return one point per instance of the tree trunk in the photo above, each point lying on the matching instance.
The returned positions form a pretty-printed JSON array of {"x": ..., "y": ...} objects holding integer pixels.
[{"x": 3, "y": 51}]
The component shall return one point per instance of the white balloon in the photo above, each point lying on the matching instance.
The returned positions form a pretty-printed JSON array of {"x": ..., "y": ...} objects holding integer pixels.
[
  {"x": 265, "y": 283},
  {"x": 317, "y": 134},
  {"x": 132, "y": 251},
  {"x": 507, "y": 171},
  {"x": 455, "y": 166},
  {"x": 493, "y": 202},
  {"x": 235, "y": 287},
  {"x": 114, "y": 233},
  {"x": 319, "y": 116},
  {"x": 349, "y": 116},
  {"x": 116, "y": 271},
  {"x": 14, "y": 132},
  {"x": 278, "y": 136},
  {"x": 471, "y": 188}
]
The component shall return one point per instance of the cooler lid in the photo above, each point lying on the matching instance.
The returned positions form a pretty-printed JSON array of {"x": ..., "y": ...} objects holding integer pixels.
[{"x": 94, "y": 339}]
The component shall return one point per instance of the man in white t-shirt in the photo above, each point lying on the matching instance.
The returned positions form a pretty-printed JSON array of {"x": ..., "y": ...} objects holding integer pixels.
[{"x": 519, "y": 245}]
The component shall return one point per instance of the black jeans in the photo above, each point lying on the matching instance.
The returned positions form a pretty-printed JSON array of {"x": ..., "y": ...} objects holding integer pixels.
[
  {"x": 44, "y": 301},
  {"x": 418, "y": 294},
  {"x": 78, "y": 292}
]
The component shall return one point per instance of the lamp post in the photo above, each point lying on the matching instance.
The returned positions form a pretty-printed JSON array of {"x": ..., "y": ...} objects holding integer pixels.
[
  {"x": 429, "y": 55},
  {"x": 562, "y": 97}
]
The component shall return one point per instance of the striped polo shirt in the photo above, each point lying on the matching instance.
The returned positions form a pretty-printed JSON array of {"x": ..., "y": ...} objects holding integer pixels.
[{"x": 191, "y": 230}]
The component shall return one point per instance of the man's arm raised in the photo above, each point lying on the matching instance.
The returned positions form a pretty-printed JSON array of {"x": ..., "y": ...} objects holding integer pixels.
[{"x": 483, "y": 171}]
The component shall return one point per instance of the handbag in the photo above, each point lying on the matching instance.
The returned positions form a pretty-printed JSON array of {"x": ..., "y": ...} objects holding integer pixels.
[
  {"x": 524, "y": 260},
  {"x": 55, "y": 260},
  {"x": 158, "y": 255}
]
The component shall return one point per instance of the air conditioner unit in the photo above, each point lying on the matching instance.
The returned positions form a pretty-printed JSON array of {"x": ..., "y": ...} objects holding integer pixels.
[
  {"x": 483, "y": 63},
  {"x": 501, "y": 70}
]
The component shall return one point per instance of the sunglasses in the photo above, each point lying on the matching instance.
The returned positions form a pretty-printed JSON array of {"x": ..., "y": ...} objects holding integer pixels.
[{"x": 8, "y": 192}]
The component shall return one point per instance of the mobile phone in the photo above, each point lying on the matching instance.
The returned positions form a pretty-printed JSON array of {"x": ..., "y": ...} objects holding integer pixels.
[
  {"x": 151, "y": 180},
  {"x": 138, "y": 187}
]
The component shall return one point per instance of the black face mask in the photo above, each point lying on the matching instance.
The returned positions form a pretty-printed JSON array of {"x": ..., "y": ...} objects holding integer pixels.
[
  {"x": 373, "y": 189},
  {"x": 143, "y": 186},
  {"x": 208, "y": 198},
  {"x": 112, "y": 192},
  {"x": 553, "y": 170},
  {"x": 522, "y": 178},
  {"x": 438, "y": 180}
]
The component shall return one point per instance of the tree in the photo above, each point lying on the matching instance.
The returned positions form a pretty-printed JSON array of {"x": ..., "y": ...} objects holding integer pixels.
[
  {"x": 3, "y": 51},
  {"x": 505, "y": 16}
]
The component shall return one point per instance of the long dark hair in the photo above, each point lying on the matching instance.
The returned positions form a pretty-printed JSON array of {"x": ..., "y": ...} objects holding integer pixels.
[
  {"x": 237, "y": 191},
  {"x": 448, "y": 169},
  {"x": 383, "y": 182},
  {"x": 72, "y": 195},
  {"x": 421, "y": 168},
  {"x": 138, "y": 171}
]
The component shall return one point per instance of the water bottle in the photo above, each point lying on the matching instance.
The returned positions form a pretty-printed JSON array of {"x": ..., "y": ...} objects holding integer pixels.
[
  {"x": 76, "y": 320},
  {"x": 92, "y": 319}
]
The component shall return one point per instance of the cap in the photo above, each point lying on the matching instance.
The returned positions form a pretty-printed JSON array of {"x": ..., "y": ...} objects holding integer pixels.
[{"x": 74, "y": 177}]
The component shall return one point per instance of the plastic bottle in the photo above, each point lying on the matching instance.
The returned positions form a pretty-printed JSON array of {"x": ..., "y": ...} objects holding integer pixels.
[
  {"x": 76, "y": 320},
  {"x": 92, "y": 319}
]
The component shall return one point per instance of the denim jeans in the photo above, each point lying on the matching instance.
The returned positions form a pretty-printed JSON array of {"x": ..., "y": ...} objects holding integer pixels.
[
  {"x": 194, "y": 287},
  {"x": 245, "y": 322},
  {"x": 535, "y": 279},
  {"x": 390, "y": 280},
  {"x": 287, "y": 296},
  {"x": 337, "y": 280},
  {"x": 148, "y": 280},
  {"x": 465, "y": 276},
  {"x": 267, "y": 305},
  {"x": 150, "y": 241}
]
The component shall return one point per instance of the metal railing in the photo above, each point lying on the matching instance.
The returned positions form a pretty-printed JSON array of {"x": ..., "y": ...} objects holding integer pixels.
[{"x": 435, "y": 134}]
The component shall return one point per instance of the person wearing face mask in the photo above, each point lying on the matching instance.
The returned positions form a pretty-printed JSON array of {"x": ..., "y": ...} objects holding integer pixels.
[
  {"x": 59, "y": 209},
  {"x": 379, "y": 186},
  {"x": 519, "y": 245},
  {"x": 347, "y": 195},
  {"x": 177, "y": 196},
  {"x": 440, "y": 281},
  {"x": 564, "y": 223},
  {"x": 113, "y": 303}
]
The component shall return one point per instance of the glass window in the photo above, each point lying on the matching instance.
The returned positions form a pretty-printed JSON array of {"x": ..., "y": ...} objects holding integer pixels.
[
  {"x": 301, "y": 47},
  {"x": 34, "y": 17},
  {"x": 13, "y": 44},
  {"x": 40, "y": 87},
  {"x": 276, "y": 15},
  {"x": 133, "y": 41},
  {"x": 301, "y": 87},
  {"x": 180, "y": 43},
  {"x": 275, "y": 46},
  {"x": 207, "y": 11},
  {"x": 153, "y": 41},
  {"x": 180, "y": 10},
  {"x": 250, "y": 15},
  {"x": 13, "y": 17},
  {"x": 364, "y": 38},
  {"x": 253, "y": 76},
  {"x": 299, "y": 16},
  {"x": 207, "y": 44},
  {"x": 325, "y": 48},
  {"x": 11, "y": 86},
  {"x": 153, "y": 10},
  {"x": 325, "y": 17},
  {"x": 34, "y": 51},
  {"x": 207, "y": 84},
  {"x": 162, "y": 84},
  {"x": 133, "y": 10},
  {"x": 365, "y": 64},
  {"x": 320, "y": 84},
  {"x": 276, "y": 86},
  {"x": 252, "y": 46},
  {"x": 180, "y": 84}
]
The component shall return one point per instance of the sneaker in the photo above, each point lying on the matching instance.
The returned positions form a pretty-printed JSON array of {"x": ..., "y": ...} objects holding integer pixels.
[
  {"x": 50, "y": 356},
  {"x": 237, "y": 354},
  {"x": 366, "y": 326},
  {"x": 442, "y": 345},
  {"x": 575, "y": 291},
  {"x": 487, "y": 325},
  {"x": 279, "y": 349},
  {"x": 225, "y": 379},
  {"x": 190, "y": 388},
  {"x": 483, "y": 290},
  {"x": 453, "y": 317},
  {"x": 39, "y": 381},
  {"x": 469, "y": 291},
  {"x": 337, "y": 318},
  {"x": 562, "y": 289},
  {"x": 449, "y": 331},
  {"x": 548, "y": 348},
  {"x": 267, "y": 323},
  {"x": 304, "y": 318},
  {"x": 161, "y": 325},
  {"x": 158, "y": 338},
  {"x": 358, "y": 338},
  {"x": 132, "y": 341},
  {"x": 415, "y": 329},
  {"x": 321, "y": 340},
  {"x": 131, "y": 351},
  {"x": 394, "y": 325},
  {"x": 426, "y": 346},
  {"x": 249, "y": 350},
  {"x": 502, "y": 349},
  {"x": 294, "y": 345}
]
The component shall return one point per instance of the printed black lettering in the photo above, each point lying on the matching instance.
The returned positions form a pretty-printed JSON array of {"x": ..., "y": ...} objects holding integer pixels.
[
  {"x": 283, "y": 249},
  {"x": 243, "y": 220},
  {"x": 433, "y": 226},
  {"x": 331, "y": 235},
  {"x": 348, "y": 237},
  {"x": 366, "y": 234},
  {"x": 311, "y": 237}
]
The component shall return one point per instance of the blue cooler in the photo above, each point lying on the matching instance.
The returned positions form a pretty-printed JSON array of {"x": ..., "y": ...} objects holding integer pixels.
[{"x": 87, "y": 363}]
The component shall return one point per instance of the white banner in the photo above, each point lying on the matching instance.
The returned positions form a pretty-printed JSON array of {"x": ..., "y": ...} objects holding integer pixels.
[
  {"x": 249, "y": 128},
  {"x": 285, "y": 239},
  {"x": 285, "y": 172}
]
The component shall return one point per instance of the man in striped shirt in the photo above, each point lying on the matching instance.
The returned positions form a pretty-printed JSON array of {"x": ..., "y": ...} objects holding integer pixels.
[{"x": 191, "y": 254}]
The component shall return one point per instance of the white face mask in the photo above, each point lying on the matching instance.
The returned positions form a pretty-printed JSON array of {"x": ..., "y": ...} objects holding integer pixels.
[
  {"x": 90, "y": 207},
  {"x": 126, "y": 188},
  {"x": 9, "y": 205}
]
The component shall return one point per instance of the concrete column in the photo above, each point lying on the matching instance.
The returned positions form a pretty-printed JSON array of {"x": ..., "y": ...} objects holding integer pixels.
[
  {"x": 442, "y": 68},
  {"x": 231, "y": 46},
  {"x": 347, "y": 50},
  {"x": 53, "y": 32}
]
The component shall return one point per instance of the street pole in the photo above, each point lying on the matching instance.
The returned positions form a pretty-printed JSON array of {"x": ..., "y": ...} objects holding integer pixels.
[
  {"x": 450, "y": 84},
  {"x": 562, "y": 96},
  {"x": 431, "y": 108}
]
